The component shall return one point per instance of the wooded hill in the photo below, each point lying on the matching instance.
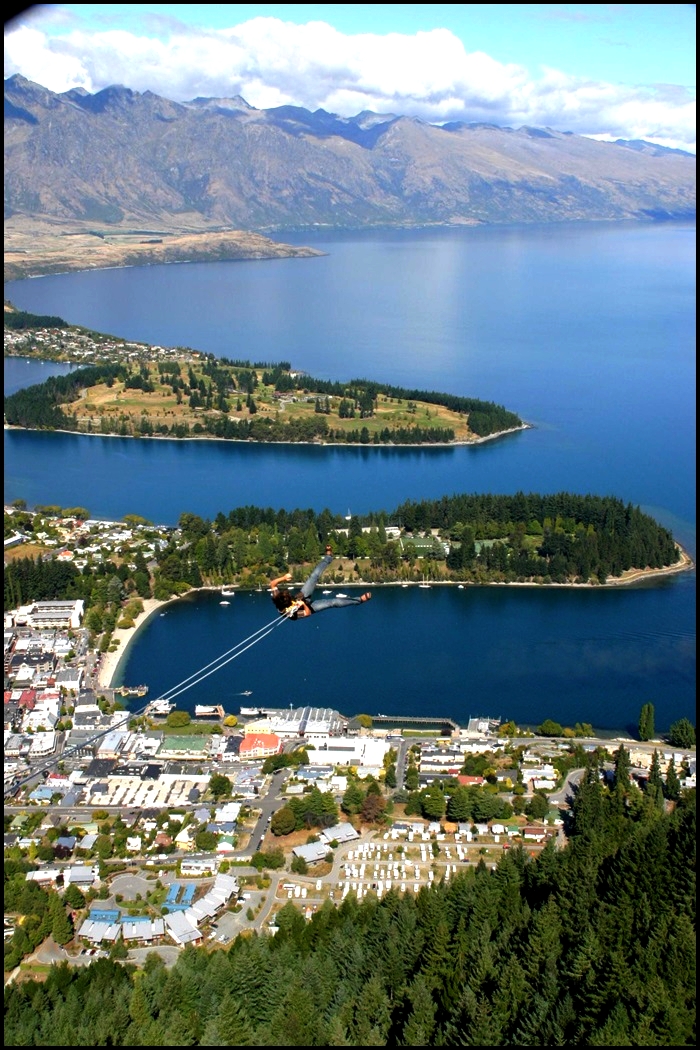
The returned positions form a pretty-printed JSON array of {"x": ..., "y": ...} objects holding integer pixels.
[
  {"x": 240, "y": 401},
  {"x": 560, "y": 538},
  {"x": 590, "y": 945}
]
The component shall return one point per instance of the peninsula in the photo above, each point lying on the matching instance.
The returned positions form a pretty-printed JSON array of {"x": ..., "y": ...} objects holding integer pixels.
[
  {"x": 35, "y": 248},
  {"x": 136, "y": 390}
]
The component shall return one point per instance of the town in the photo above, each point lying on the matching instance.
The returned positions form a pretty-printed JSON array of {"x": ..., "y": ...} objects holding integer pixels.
[{"x": 158, "y": 830}]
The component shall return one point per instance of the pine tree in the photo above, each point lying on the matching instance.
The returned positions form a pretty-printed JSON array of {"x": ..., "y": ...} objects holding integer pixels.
[
  {"x": 673, "y": 784},
  {"x": 646, "y": 722},
  {"x": 655, "y": 785},
  {"x": 622, "y": 767}
]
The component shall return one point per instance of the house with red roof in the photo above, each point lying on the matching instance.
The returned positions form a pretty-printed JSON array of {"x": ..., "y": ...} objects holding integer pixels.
[{"x": 260, "y": 745}]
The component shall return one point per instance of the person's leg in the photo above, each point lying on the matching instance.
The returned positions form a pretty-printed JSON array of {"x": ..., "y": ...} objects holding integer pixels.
[
  {"x": 338, "y": 603},
  {"x": 308, "y": 587}
]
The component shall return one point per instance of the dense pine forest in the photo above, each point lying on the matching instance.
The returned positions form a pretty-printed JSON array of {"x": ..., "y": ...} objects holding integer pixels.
[{"x": 591, "y": 945}]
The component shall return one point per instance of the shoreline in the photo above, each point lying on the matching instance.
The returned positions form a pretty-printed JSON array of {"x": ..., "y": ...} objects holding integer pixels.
[
  {"x": 251, "y": 441},
  {"x": 111, "y": 663}
]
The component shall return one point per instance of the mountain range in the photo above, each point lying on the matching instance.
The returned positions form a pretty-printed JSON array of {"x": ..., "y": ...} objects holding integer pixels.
[{"x": 120, "y": 159}]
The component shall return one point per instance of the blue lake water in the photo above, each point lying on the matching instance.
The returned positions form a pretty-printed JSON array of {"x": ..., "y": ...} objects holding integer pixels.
[{"x": 587, "y": 331}]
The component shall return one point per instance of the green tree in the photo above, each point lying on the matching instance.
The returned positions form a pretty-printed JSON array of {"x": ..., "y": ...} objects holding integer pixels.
[
  {"x": 538, "y": 806},
  {"x": 459, "y": 806},
  {"x": 682, "y": 733},
  {"x": 646, "y": 722},
  {"x": 411, "y": 778},
  {"x": 433, "y": 801},
  {"x": 655, "y": 785},
  {"x": 220, "y": 786},
  {"x": 283, "y": 821},
  {"x": 74, "y": 897},
  {"x": 673, "y": 784},
  {"x": 178, "y": 719},
  {"x": 549, "y": 728},
  {"x": 622, "y": 768},
  {"x": 353, "y": 798},
  {"x": 61, "y": 927},
  {"x": 206, "y": 841}
]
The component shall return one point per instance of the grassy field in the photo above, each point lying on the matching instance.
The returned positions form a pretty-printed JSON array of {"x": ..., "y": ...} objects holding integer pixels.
[{"x": 163, "y": 407}]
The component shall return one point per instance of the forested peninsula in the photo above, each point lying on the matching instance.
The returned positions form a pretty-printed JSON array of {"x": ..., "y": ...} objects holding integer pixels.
[
  {"x": 133, "y": 390},
  {"x": 470, "y": 539}
]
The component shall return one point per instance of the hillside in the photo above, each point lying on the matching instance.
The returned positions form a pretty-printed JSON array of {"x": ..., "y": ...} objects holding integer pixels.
[{"x": 120, "y": 162}]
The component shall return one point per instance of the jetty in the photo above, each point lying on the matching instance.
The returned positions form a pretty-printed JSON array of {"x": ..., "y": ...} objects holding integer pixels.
[{"x": 447, "y": 726}]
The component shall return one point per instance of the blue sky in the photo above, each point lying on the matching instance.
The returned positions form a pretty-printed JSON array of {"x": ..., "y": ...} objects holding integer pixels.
[{"x": 606, "y": 70}]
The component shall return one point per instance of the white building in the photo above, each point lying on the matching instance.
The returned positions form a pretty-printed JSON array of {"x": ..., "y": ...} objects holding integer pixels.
[{"x": 359, "y": 751}]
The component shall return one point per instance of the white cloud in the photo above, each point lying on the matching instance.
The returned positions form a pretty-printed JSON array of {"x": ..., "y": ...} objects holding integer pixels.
[{"x": 270, "y": 63}]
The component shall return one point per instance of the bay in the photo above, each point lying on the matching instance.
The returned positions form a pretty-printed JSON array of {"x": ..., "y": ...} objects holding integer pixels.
[
  {"x": 587, "y": 331},
  {"x": 523, "y": 653}
]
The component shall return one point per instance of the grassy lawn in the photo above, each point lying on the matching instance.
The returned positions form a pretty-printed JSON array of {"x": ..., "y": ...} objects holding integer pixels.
[{"x": 161, "y": 407}]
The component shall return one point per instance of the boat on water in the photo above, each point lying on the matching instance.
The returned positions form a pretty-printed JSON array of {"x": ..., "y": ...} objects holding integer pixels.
[
  {"x": 131, "y": 690},
  {"x": 341, "y": 595},
  {"x": 159, "y": 707},
  {"x": 460, "y": 586},
  {"x": 246, "y": 692},
  {"x": 208, "y": 711},
  {"x": 425, "y": 586},
  {"x": 224, "y": 603},
  {"x": 227, "y": 593},
  {"x": 327, "y": 592}
]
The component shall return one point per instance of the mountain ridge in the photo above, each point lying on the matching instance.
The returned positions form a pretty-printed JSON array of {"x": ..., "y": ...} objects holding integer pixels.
[{"x": 123, "y": 160}]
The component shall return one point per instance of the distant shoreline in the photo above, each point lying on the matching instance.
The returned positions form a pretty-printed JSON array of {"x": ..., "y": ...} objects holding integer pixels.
[{"x": 111, "y": 662}]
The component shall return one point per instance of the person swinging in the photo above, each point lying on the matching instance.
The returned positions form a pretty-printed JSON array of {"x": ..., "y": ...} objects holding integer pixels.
[{"x": 302, "y": 605}]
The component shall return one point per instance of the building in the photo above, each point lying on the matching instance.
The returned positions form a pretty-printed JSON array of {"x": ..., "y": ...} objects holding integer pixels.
[
  {"x": 349, "y": 751},
  {"x": 260, "y": 745},
  {"x": 51, "y": 614},
  {"x": 312, "y": 723}
]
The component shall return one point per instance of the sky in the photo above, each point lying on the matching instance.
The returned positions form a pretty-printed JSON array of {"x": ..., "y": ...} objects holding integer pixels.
[{"x": 604, "y": 70}]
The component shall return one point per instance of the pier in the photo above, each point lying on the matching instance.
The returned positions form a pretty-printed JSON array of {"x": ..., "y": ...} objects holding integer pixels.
[{"x": 447, "y": 726}]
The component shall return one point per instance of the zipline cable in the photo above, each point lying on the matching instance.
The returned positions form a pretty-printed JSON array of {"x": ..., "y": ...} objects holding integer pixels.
[
  {"x": 220, "y": 662},
  {"x": 262, "y": 631}
]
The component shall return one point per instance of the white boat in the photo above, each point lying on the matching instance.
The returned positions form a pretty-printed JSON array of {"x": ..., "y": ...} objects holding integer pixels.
[
  {"x": 208, "y": 711},
  {"x": 341, "y": 595},
  {"x": 327, "y": 592},
  {"x": 227, "y": 594},
  {"x": 224, "y": 603},
  {"x": 159, "y": 707}
]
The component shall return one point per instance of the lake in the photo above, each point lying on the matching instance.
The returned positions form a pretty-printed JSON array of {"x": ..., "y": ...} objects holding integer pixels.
[{"x": 587, "y": 331}]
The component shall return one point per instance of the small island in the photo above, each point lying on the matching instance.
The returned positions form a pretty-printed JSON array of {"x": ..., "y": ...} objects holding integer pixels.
[{"x": 135, "y": 390}]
